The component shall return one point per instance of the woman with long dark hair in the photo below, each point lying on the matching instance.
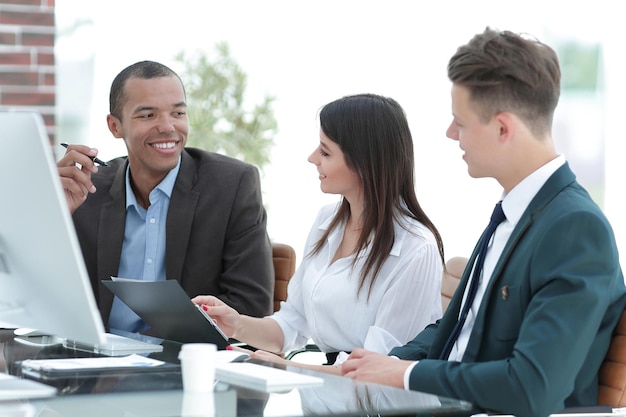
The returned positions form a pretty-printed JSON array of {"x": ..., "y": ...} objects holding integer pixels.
[{"x": 371, "y": 275}]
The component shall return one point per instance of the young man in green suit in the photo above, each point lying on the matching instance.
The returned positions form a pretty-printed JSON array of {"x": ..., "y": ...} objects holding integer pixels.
[{"x": 551, "y": 289}]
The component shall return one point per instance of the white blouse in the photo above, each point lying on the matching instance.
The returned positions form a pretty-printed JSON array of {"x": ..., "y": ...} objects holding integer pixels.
[{"x": 323, "y": 303}]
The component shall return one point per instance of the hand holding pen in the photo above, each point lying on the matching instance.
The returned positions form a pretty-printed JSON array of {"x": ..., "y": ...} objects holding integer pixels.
[
  {"x": 75, "y": 169},
  {"x": 93, "y": 158}
]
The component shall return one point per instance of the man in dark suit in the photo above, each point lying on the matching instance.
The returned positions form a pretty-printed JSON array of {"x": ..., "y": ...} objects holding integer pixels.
[
  {"x": 551, "y": 289},
  {"x": 166, "y": 211}
]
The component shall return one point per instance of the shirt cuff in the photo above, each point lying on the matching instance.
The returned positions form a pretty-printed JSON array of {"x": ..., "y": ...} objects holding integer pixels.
[{"x": 407, "y": 374}]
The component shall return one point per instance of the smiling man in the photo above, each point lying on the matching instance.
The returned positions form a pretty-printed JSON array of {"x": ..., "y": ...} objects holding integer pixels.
[{"x": 166, "y": 211}]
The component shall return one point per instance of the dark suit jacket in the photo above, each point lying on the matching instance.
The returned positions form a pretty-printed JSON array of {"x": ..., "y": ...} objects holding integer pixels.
[
  {"x": 546, "y": 318},
  {"x": 216, "y": 240}
]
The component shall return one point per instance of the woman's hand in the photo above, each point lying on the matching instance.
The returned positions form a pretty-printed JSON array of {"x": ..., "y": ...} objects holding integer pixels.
[
  {"x": 224, "y": 316},
  {"x": 269, "y": 357}
]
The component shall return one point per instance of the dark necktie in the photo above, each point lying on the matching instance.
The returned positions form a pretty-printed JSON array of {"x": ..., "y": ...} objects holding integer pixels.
[{"x": 496, "y": 218}]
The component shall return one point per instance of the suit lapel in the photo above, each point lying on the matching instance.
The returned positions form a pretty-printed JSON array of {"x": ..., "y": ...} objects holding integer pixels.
[
  {"x": 111, "y": 237},
  {"x": 561, "y": 178},
  {"x": 180, "y": 218},
  {"x": 555, "y": 184}
]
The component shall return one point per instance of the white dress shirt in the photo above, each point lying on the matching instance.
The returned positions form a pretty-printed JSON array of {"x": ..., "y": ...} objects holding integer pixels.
[
  {"x": 323, "y": 303},
  {"x": 143, "y": 249}
]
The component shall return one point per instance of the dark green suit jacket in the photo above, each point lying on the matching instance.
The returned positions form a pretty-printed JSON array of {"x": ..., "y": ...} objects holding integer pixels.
[{"x": 546, "y": 318}]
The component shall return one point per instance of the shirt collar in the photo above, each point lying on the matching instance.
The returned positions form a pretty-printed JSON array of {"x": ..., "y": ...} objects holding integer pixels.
[
  {"x": 517, "y": 200},
  {"x": 166, "y": 186}
]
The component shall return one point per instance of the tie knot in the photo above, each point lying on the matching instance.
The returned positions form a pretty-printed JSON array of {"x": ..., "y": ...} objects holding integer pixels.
[{"x": 498, "y": 216}]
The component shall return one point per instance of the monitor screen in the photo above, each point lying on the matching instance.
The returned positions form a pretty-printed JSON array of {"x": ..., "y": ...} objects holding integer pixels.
[{"x": 43, "y": 279}]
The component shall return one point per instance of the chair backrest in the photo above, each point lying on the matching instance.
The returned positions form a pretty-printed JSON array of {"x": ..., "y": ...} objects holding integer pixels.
[
  {"x": 284, "y": 267},
  {"x": 451, "y": 278},
  {"x": 612, "y": 377}
]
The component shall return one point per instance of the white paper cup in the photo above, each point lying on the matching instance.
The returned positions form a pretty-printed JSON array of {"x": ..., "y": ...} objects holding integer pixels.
[
  {"x": 197, "y": 362},
  {"x": 198, "y": 404}
]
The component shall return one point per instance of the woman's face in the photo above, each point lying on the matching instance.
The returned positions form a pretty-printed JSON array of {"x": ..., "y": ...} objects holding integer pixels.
[{"x": 334, "y": 174}]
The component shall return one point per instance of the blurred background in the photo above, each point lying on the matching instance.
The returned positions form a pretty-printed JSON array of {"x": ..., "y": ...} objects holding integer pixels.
[{"x": 292, "y": 57}]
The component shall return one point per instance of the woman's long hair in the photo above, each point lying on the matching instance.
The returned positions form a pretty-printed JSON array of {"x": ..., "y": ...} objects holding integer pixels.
[{"x": 374, "y": 136}]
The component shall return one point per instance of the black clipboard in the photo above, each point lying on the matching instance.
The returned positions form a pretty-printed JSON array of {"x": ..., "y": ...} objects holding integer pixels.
[{"x": 167, "y": 308}]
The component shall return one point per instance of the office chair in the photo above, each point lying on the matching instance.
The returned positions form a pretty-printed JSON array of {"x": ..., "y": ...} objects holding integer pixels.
[
  {"x": 284, "y": 267},
  {"x": 452, "y": 274},
  {"x": 612, "y": 376}
]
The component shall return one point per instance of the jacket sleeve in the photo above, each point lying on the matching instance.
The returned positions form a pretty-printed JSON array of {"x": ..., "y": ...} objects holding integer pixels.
[
  {"x": 417, "y": 348},
  {"x": 247, "y": 279}
]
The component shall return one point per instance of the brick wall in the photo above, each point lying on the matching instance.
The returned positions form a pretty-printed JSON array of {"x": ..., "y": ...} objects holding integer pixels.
[{"x": 27, "y": 70}]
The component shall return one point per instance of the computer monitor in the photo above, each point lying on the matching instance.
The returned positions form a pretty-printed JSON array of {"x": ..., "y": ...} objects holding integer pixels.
[{"x": 43, "y": 278}]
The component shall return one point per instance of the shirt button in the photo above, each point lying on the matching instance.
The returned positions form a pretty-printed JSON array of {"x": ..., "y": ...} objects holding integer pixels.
[
  {"x": 149, "y": 260},
  {"x": 152, "y": 220}
]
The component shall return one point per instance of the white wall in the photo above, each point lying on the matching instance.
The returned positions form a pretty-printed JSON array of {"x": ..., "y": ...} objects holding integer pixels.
[{"x": 307, "y": 53}]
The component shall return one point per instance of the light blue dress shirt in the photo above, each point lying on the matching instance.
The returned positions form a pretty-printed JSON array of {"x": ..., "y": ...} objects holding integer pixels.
[{"x": 143, "y": 250}]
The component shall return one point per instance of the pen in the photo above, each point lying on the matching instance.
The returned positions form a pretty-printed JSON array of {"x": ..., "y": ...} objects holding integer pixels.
[{"x": 93, "y": 158}]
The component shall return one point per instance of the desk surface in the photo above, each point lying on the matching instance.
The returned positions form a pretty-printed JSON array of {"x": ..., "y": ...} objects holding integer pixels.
[{"x": 160, "y": 394}]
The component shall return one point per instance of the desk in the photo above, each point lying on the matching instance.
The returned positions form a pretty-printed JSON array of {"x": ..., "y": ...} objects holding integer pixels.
[{"x": 160, "y": 394}]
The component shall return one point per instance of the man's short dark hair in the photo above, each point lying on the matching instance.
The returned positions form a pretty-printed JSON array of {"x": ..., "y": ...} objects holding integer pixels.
[
  {"x": 142, "y": 69},
  {"x": 504, "y": 71}
]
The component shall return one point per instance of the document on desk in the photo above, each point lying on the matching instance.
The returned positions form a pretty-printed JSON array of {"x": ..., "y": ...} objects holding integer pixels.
[
  {"x": 263, "y": 378},
  {"x": 74, "y": 366},
  {"x": 167, "y": 308},
  {"x": 16, "y": 388}
]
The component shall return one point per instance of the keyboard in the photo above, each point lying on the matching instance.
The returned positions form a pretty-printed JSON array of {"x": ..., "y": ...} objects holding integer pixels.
[
  {"x": 264, "y": 378},
  {"x": 117, "y": 345}
]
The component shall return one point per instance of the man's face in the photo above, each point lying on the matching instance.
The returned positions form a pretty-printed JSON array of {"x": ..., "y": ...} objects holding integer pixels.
[
  {"x": 154, "y": 126},
  {"x": 477, "y": 139}
]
